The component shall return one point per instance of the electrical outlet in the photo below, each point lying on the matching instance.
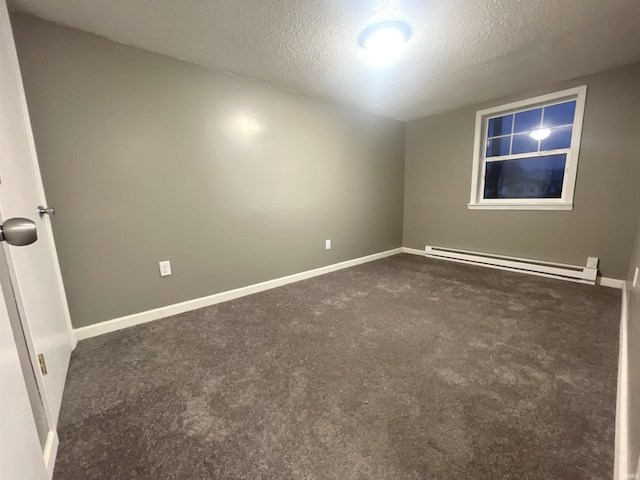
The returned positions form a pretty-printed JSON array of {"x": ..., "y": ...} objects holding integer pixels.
[
  {"x": 327, "y": 244},
  {"x": 635, "y": 278},
  {"x": 165, "y": 268}
]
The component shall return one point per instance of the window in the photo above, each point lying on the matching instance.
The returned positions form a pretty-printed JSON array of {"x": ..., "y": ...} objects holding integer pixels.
[{"x": 526, "y": 153}]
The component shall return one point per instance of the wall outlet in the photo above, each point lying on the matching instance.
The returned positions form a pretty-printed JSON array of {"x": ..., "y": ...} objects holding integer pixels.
[
  {"x": 165, "y": 268},
  {"x": 592, "y": 262},
  {"x": 635, "y": 278},
  {"x": 327, "y": 244}
]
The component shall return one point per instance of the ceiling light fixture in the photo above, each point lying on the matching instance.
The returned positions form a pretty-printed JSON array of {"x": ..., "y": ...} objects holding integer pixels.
[
  {"x": 384, "y": 41},
  {"x": 541, "y": 134}
]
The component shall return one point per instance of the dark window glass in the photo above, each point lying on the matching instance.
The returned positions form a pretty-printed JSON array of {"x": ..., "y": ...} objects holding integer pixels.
[
  {"x": 499, "y": 126},
  {"x": 559, "y": 138},
  {"x": 561, "y": 114},
  {"x": 528, "y": 120},
  {"x": 498, "y": 146},
  {"x": 524, "y": 143},
  {"x": 539, "y": 177}
]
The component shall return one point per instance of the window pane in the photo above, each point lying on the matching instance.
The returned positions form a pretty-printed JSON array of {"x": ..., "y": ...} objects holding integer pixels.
[
  {"x": 527, "y": 121},
  {"x": 539, "y": 177},
  {"x": 498, "y": 146},
  {"x": 559, "y": 138},
  {"x": 524, "y": 143},
  {"x": 561, "y": 114},
  {"x": 499, "y": 126}
]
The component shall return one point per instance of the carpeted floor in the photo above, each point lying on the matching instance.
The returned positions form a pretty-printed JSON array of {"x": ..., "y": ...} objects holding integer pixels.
[{"x": 404, "y": 368}]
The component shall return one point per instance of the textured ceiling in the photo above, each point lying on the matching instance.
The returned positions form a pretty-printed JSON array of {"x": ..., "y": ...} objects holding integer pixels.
[{"x": 460, "y": 52}]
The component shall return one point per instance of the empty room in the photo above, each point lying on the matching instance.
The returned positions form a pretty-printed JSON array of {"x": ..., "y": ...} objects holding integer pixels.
[{"x": 320, "y": 240}]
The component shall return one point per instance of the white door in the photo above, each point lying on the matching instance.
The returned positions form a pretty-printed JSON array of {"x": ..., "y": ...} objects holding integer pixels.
[
  {"x": 34, "y": 269},
  {"x": 21, "y": 406},
  {"x": 20, "y": 453}
]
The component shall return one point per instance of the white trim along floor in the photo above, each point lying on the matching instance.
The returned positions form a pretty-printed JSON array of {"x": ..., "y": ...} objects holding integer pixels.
[{"x": 169, "y": 310}]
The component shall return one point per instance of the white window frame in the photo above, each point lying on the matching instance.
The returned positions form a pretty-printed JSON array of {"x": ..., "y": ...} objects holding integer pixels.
[{"x": 571, "y": 165}]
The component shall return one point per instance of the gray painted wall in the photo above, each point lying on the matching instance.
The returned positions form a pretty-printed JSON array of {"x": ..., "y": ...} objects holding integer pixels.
[
  {"x": 633, "y": 344},
  {"x": 607, "y": 199},
  {"x": 146, "y": 158}
]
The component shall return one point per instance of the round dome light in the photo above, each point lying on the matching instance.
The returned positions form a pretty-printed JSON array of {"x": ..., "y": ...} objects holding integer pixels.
[
  {"x": 541, "y": 134},
  {"x": 384, "y": 41}
]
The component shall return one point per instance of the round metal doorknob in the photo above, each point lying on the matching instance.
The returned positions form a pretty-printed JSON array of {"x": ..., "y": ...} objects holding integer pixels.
[{"x": 18, "y": 232}]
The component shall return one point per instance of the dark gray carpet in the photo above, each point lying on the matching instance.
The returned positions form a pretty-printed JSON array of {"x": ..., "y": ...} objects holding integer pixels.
[{"x": 405, "y": 368}]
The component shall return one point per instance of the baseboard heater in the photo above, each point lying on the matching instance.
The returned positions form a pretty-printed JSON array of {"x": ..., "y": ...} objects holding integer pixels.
[{"x": 574, "y": 273}]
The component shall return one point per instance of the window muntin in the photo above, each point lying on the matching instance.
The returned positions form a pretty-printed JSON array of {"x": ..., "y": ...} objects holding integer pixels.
[
  {"x": 527, "y": 152},
  {"x": 511, "y": 134}
]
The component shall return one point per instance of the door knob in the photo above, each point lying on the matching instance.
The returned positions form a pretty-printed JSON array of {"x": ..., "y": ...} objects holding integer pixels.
[
  {"x": 48, "y": 210},
  {"x": 18, "y": 232}
]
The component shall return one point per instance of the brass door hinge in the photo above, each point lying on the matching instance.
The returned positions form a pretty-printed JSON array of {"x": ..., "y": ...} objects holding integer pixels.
[{"x": 43, "y": 365}]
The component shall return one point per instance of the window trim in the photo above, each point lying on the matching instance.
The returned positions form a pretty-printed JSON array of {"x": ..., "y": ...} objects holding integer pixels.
[{"x": 476, "y": 202}]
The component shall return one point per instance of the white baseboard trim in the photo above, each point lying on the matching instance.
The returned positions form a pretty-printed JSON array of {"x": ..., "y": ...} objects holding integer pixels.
[
  {"x": 610, "y": 282},
  {"x": 50, "y": 452},
  {"x": 413, "y": 251},
  {"x": 603, "y": 281},
  {"x": 163, "y": 312},
  {"x": 621, "y": 468}
]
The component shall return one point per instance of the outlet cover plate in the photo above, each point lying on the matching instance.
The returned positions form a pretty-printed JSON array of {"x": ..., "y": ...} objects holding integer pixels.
[{"x": 165, "y": 268}]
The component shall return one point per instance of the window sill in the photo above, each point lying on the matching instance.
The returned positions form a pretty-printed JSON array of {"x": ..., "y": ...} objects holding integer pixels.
[{"x": 519, "y": 206}]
